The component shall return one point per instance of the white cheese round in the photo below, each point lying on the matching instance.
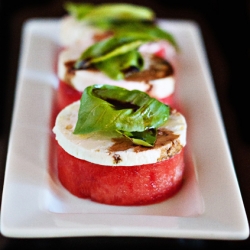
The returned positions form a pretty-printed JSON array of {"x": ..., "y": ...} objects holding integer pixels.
[
  {"x": 74, "y": 32},
  {"x": 96, "y": 149}
]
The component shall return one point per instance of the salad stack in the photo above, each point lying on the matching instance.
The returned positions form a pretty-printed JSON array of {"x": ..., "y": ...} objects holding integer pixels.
[{"x": 120, "y": 139}]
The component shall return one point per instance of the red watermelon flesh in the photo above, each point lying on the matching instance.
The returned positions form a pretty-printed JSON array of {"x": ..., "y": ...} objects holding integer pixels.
[{"x": 122, "y": 185}]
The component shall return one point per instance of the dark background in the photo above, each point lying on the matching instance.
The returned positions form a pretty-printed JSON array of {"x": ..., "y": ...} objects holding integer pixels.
[{"x": 225, "y": 28}]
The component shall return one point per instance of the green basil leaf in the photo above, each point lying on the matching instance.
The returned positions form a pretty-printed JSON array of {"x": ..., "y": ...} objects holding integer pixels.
[
  {"x": 78, "y": 10},
  {"x": 146, "y": 138},
  {"x": 114, "y": 55},
  {"x": 115, "y": 67},
  {"x": 152, "y": 31},
  {"x": 106, "y": 108},
  {"x": 109, "y": 12},
  {"x": 108, "y": 48},
  {"x": 126, "y": 48}
]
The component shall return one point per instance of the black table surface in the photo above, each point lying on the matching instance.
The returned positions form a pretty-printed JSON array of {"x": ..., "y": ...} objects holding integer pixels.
[{"x": 225, "y": 30}]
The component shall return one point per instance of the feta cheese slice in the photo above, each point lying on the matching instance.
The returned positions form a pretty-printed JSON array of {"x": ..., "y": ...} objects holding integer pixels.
[{"x": 108, "y": 151}]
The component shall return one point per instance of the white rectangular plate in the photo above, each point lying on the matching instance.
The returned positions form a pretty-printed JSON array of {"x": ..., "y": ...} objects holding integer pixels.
[{"x": 34, "y": 204}]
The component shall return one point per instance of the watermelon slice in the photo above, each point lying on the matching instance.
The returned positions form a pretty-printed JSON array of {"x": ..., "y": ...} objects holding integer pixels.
[{"x": 121, "y": 185}]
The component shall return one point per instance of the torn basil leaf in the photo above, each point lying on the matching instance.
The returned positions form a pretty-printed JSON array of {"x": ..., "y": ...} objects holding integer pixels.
[
  {"x": 113, "y": 56},
  {"x": 146, "y": 138},
  {"x": 109, "y": 12},
  {"x": 134, "y": 114},
  {"x": 116, "y": 67},
  {"x": 150, "y": 29},
  {"x": 108, "y": 48}
]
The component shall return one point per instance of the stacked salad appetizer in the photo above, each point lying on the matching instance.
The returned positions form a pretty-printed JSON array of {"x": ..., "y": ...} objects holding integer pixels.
[
  {"x": 120, "y": 141},
  {"x": 120, "y": 147}
]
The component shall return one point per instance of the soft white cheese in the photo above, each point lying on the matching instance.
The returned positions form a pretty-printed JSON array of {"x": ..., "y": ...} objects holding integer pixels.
[
  {"x": 159, "y": 88},
  {"x": 74, "y": 32},
  {"x": 96, "y": 148}
]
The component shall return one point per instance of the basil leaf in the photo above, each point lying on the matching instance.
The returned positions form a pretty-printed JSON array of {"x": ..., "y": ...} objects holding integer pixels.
[
  {"x": 114, "y": 55},
  {"x": 152, "y": 31},
  {"x": 106, "y": 108},
  {"x": 108, "y": 48},
  {"x": 117, "y": 66},
  {"x": 109, "y": 12},
  {"x": 146, "y": 138},
  {"x": 78, "y": 10}
]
